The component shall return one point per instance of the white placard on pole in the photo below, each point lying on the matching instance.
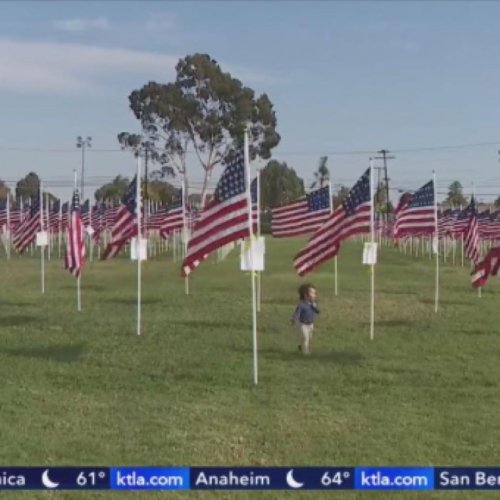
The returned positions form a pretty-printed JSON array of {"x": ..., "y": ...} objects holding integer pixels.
[
  {"x": 42, "y": 239},
  {"x": 139, "y": 246},
  {"x": 252, "y": 255},
  {"x": 370, "y": 253},
  {"x": 90, "y": 231}
]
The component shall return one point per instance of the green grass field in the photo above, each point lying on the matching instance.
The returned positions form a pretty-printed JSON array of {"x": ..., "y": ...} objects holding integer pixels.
[{"x": 83, "y": 389}]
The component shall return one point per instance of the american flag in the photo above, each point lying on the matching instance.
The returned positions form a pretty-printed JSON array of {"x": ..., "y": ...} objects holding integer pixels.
[
  {"x": 54, "y": 215},
  {"x": 446, "y": 222},
  {"x": 489, "y": 266},
  {"x": 224, "y": 219},
  {"x": 31, "y": 225},
  {"x": 125, "y": 223},
  {"x": 64, "y": 221},
  {"x": 73, "y": 260},
  {"x": 417, "y": 216},
  {"x": 98, "y": 220},
  {"x": 492, "y": 232},
  {"x": 15, "y": 216},
  {"x": 4, "y": 212},
  {"x": 85, "y": 213},
  {"x": 303, "y": 216},
  {"x": 349, "y": 219},
  {"x": 173, "y": 218},
  {"x": 471, "y": 234}
]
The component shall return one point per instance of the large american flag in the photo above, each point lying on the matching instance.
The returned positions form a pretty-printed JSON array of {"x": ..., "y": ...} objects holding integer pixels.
[
  {"x": 489, "y": 266},
  {"x": 224, "y": 219},
  {"x": 32, "y": 224},
  {"x": 73, "y": 260},
  {"x": 417, "y": 216},
  {"x": 303, "y": 216},
  {"x": 350, "y": 219},
  {"x": 125, "y": 222},
  {"x": 471, "y": 234},
  {"x": 173, "y": 219}
]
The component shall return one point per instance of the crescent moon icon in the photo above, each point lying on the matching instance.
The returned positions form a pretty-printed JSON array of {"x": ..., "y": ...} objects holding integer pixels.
[
  {"x": 291, "y": 480},
  {"x": 47, "y": 482}
]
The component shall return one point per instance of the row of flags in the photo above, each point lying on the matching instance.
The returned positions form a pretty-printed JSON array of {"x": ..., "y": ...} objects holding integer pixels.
[{"x": 224, "y": 220}]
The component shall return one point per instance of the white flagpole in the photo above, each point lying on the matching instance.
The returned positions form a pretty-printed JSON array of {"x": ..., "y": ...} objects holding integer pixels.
[
  {"x": 372, "y": 231},
  {"x": 184, "y": 230},
  {"x": 335, "y": 264},
  {"x": 42, "y": 248},
  {"x": 90, "y": 236},
  {"x": 436, "y": 301},
  {"x": 479, "y": 289},
  {"x": 47, "y": 218},
  {"x": 139, "y": 244},
  {"x": 259, "y": 283},
  {"x": 78, "y": 280},
  {"x": 59, "y": 229},
  {"x": 252, "y": 273},
  {"x": 8, "y": 239}
]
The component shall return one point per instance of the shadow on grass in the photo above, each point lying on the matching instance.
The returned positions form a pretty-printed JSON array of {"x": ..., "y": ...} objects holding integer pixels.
[
  {"x": 60, "y": 353},
  {"x": 204, "y": 324},
  {"x": 278, "y": 302},
  {"x": 397, "y": 292},
  {"x": 133, "y": 301},
  {"x": 445, "y": 302},
  {"x": 12, "y": 320},
  {"x": 17, "y": 303},
  {"x": 477, "y": 332},
  {"x": 338, "y": 357},
  {"x": 93, "y": 288},
  {"x": 395, "y": 323}
]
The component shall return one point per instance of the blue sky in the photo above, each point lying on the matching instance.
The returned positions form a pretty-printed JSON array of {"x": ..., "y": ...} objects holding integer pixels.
[{"x": 343, "y": 76}]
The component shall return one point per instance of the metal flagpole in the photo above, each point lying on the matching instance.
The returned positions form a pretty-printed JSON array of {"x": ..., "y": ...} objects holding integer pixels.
[
  {"x": 90, "y": 236},
  {"x": 259, "y": 282},
  {"x": 336, "y": 282},
  {"x": 47, "y": 218},
  {"x": 8, "y": 233},
  {"x": 42, "y": 248},
  {"x": 139, "y": 244},
  {"x": 436, "y": 302},
  {"x": 78, "y": 280},
  {"x": 479, "y": 289},
  {"x": 252, "y": 273},
  {"x": 184, "y": 230},
  {"x": 372, "y": 266},
  {"x": 59, "y": 229}
]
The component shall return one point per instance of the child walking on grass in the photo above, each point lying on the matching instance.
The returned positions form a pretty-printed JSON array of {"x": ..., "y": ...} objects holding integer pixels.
[{"x": 304, "y": 316}]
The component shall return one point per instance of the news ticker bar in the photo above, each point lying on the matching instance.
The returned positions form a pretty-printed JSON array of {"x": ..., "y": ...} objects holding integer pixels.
[{"x": 250, "y": 478}]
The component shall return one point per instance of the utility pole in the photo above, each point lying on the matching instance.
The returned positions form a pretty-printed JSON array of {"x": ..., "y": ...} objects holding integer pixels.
[
  {"x": 82, "y": 143},
  {"x": 385, "y": 156},
  {"x": 377, "y": 186}
]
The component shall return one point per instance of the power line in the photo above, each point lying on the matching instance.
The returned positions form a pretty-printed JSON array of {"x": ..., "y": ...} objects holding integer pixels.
[{"x": 298, "y": 152}]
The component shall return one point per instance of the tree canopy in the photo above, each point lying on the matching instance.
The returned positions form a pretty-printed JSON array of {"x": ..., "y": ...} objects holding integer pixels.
[
  {"x": 28, "y": 186},
  {"x": 340, "y": 196},
  {"x": 279, "y": 184},
  {"x": 322, "y": 175},
  {"x": 113, "y": 190},
  {"x": 204, "y": 111},
  {"x": 456, "y": 196}
]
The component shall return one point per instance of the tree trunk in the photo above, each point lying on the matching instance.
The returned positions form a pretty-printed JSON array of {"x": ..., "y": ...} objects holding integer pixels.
[{"x": 208, "y": 175}]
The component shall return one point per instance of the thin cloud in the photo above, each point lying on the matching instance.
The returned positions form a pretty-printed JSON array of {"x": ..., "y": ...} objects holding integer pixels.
[
  {"x": 78, "y": 25},
  {"x": 48, "y": 67}
]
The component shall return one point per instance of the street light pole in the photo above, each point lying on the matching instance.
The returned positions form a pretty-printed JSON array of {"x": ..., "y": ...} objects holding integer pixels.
[{"x": 82, "y": 144}]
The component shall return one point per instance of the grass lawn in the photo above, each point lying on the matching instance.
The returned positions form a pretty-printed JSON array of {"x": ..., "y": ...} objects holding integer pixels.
[{"x": 83, "y": 389}]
